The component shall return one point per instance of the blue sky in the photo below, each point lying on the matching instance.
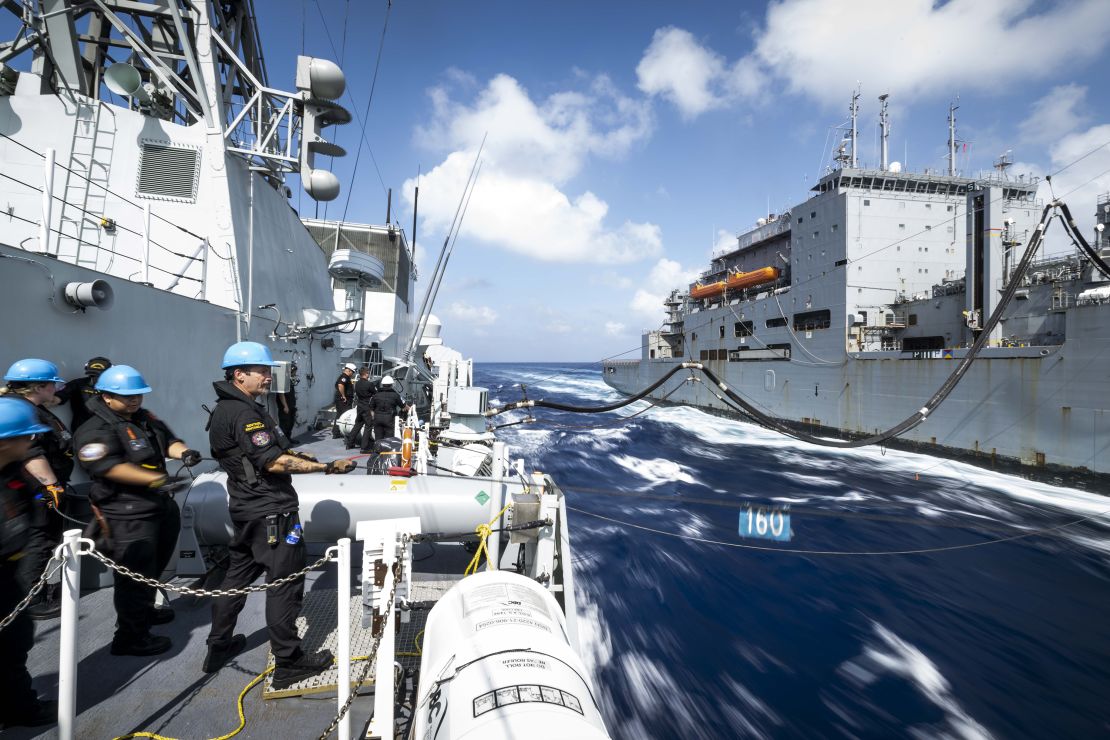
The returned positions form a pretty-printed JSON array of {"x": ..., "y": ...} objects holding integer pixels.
[{"x": 626, "y": 139}]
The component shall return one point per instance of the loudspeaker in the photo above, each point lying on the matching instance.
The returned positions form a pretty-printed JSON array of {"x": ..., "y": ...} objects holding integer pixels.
[
  {"x": 97, "y": 294},
  {"x": 123, "y": 79}
]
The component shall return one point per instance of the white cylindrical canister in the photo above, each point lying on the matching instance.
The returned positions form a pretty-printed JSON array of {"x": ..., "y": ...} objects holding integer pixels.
[{"x": 498, "y": 664}]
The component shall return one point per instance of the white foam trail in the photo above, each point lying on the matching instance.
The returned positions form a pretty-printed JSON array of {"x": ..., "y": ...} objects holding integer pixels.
[
  {"x": 656, "y": 471},
  {"x": 894, "y": 655}
]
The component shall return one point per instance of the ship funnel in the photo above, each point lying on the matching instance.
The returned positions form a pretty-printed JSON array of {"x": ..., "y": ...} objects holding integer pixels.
[{"x": 123, "y": 79}]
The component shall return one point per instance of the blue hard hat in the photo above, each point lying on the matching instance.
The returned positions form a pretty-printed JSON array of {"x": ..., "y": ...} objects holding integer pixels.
[
  {"x": 247, "y": 353},
  {"x": 31, "y": 370},
  {"x": 17, "y": 418},
  {"x": 122, "y": 380}
]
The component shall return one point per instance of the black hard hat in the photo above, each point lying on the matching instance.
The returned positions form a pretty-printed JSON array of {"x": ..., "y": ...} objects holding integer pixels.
[{"x": 97, "y": 365}]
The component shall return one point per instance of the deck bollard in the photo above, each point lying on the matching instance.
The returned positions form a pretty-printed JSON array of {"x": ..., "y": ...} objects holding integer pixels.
[
  {"x": 343, "y": 565},
  {"x": 67, "y": 631}
]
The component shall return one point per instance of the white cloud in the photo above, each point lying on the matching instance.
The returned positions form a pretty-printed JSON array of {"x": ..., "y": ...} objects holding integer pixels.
[
  {"x": 472, "y": 315},
  {"x": 725, "y": 242},
  {"x": 1081, "y": 183},
  {"x": 532, "y": 149},
  {"x": 680, "y": 69},
  {"x": 664, "y": 277},
  {"x": 614, "y": 328},
  {"x": 822, "y": 48},
  {"x": 1054, "y": 115}
]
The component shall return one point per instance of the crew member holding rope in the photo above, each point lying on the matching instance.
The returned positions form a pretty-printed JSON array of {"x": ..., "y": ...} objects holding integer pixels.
[
  {"x": 259, "y": 459},
  {"x": 47, "y": 468},
  {"x": 20, "y": 706},
  {"x": 124, "y": 447}
]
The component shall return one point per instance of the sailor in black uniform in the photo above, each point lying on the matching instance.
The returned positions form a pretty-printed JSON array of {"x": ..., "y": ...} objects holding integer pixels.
[
  {"x": 385, "y": 405},
  {"x": 19, "y": 704},
  {"x": 259, "y": 459},
  {"x": 364, "y": 392},
  {"x": 344, "y": 395},
  {"x": 79, "y": 391},
  {"x": 47, "y": 468},
  {"x": 124, "y": 447}
]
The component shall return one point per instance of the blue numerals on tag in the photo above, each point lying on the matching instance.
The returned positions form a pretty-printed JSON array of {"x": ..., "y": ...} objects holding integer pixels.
[{"x": 766, "y": 523}]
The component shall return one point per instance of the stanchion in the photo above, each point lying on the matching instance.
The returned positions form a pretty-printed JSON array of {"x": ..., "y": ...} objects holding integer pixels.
[
  {"x": 343, "y": 564},
  {"x": 496, "y": 503},
  {"x": 67, "y": 632}
]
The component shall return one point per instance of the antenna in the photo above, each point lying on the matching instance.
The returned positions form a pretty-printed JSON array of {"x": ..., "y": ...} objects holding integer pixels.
[
  {"x": 884, "y": 131},
  {"x": 1003, "y": 163},
  {"x": 952, "y": 137}
]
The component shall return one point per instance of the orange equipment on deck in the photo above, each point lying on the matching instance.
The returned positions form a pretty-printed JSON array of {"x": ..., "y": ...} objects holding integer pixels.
[{"x": 735, "y": 281}]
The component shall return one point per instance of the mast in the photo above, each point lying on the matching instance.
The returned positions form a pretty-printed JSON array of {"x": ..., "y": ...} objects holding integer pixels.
[
  {"x": 952, "y": 139},
  {"x": 853, "y": 111},
  {"x": 884, "y": 131}
]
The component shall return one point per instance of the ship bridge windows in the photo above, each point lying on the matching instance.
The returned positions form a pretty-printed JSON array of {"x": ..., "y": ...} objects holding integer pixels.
[
  {"x": 743, "y": 329},
  {"x": 810, "y": 320}
]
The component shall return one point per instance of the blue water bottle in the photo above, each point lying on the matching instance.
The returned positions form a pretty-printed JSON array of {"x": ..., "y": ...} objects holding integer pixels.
[{"x": 294, "y": 536}]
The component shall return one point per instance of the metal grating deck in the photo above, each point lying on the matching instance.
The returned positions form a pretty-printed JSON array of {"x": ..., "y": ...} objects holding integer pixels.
[{"x": 317, "y": 626}]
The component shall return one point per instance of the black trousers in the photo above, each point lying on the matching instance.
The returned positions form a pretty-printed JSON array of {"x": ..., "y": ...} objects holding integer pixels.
[
  {"x": 16, "y": 694},
  {"x": 361, "y": 431},
  {"x": 44, "y": 534},
  {"x": 146, "y": 547},
  {"x": 251, "y": 556},
  {"x": 383, "y": 429}
]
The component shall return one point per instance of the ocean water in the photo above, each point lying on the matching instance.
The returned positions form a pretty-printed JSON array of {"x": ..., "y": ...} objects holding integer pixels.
[{"x": 1004, "y": 634}]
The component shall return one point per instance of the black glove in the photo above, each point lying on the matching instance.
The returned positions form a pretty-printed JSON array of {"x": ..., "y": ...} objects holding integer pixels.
[
  {"x": 170, "y": 484},
  {"x": 303, "y": 455},
  {"x": 340, "y": 466},
  {"x": 189, "y": 458}
]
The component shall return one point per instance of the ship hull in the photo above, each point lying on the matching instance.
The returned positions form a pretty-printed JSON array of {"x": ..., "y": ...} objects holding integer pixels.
[{"x": 1039, "y": 407}]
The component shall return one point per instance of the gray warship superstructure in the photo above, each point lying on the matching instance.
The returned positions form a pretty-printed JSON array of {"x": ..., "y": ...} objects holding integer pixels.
[{"x": 844, "y": 314}]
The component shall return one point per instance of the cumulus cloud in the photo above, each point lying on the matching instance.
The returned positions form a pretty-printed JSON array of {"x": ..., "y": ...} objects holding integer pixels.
[
  {"x": 533, "y": 148},
  {"x": 472, "y": 315},
  {"x": 664, "y": 277},
  {"x": 821, "y": 48},
  {"x": 614, "y": 328},
  {"x": 1086, "y": 156},
  {"x": 1056, "y": 114},
  {"x": 725, "y": 242}
]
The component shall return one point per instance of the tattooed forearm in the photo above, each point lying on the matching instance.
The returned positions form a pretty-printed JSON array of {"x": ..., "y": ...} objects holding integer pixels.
[{"x": 290, "y": 464}]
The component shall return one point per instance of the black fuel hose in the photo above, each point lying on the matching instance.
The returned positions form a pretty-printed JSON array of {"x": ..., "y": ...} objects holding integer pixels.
[{"x": 1073, "y": 231}]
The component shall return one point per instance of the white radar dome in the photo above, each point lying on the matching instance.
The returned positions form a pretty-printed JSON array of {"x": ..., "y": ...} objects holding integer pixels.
[{"x": 895, "y": 167}]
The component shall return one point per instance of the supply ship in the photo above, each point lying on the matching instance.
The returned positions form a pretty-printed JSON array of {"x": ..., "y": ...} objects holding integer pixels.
[
  {"x": 844, "y": 315},
  {"x": 144, "y": 159}
]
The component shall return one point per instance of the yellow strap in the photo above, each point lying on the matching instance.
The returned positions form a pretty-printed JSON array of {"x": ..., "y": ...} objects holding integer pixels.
[{"x": 484, "y": 531}]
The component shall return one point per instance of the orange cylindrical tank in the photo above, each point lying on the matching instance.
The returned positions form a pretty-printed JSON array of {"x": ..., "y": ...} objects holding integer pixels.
[
  {"x": 700, "y": 291},
  {"x": 739, "y": 280}
]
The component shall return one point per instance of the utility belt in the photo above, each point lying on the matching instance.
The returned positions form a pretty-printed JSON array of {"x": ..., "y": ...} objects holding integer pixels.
[{"x": 285, "y": 528}]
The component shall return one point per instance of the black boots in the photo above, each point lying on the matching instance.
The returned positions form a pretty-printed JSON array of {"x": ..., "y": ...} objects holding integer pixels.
[
  {"x": 306, "y": 666},
  {"x": 218, "y": 656}
]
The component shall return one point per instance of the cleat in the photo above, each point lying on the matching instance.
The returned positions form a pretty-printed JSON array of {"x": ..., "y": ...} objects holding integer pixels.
[{"x": 218, "y": 657}]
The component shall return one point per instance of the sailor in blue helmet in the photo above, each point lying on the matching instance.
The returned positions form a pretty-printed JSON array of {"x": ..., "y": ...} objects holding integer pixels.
[
  {"x": 47, "y": 470},
  {"x": 19, "y": 704},
  {"x": 124, "y": 447},
  {"x": 267, "y": 539}
]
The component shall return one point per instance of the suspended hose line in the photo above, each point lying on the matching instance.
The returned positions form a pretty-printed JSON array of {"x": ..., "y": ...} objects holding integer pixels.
[
  {"x": 1073, "y": 231},
  {"x": 764, "y": 419}
]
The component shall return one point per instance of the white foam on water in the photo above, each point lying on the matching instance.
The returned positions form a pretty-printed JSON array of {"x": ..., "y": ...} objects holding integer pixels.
[
  {"x": 891, "y": 654},
  {"x": 656, "y": 471}
]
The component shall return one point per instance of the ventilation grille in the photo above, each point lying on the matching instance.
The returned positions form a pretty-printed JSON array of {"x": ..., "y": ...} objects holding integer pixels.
[{"x": 168, "y": 172}]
